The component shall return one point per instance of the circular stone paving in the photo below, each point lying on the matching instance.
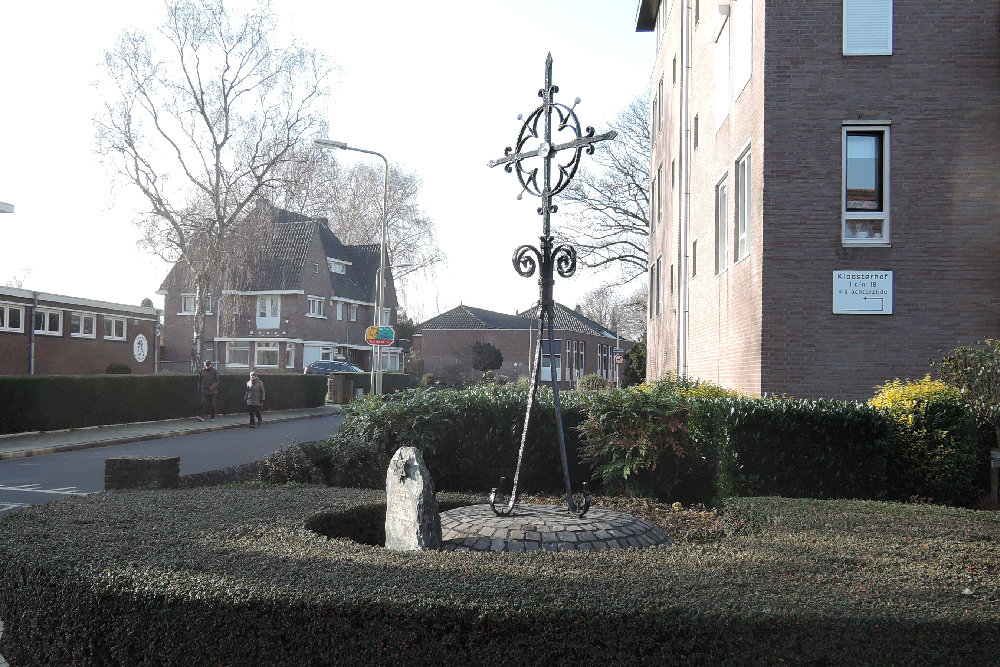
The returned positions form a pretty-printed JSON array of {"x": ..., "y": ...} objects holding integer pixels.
[{"x": 545, "y": 527}]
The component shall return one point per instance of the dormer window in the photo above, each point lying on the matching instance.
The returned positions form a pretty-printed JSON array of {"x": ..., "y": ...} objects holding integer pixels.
[
  {"x": 268, "y": 311},
  {"x": 337, "y": 265}
]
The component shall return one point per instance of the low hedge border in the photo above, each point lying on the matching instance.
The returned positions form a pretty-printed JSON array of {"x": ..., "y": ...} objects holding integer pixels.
[
  {"x": 232, "y": 575},
  {"x": 51, "y": 402}
]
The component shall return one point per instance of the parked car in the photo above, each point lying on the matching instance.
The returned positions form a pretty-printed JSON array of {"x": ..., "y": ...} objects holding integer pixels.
[{"x": 327, "y": 367}]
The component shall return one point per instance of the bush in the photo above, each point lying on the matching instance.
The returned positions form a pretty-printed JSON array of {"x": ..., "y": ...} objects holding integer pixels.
[
  {"x": 594, "y": 382},
  {"x": 50, "y": 402},
  {"x": 936, "y": 441},
  {"x": 118, "y": 369},
  {"x": 804, "y": 449},
  {"x": 236, "y": 576},
  {"x": 469, "y": 438}
]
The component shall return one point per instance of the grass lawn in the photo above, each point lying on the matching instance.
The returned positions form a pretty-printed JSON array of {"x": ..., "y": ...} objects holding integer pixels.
[{"x": 217, "y": 575}]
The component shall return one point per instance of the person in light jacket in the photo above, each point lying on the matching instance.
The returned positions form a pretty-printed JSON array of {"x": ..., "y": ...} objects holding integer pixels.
[{"x": 255, "y": 398}]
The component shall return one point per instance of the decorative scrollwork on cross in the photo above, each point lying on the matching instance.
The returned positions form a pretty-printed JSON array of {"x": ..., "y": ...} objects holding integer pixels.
[{"x": 550, "y": 132}]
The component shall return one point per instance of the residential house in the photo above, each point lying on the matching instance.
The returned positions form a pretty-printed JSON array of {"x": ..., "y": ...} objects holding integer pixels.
[
  {"x": 304, "y": 296},
  {"x": 824, "y": 185},
  {"x": 582, "y": 346},
  {"x": 52, "y": 334}
]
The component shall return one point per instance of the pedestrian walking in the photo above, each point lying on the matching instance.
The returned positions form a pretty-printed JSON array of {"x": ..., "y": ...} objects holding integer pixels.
[
  {"x": 254, "y": 398},
  {"x": 208, "y": 385}
]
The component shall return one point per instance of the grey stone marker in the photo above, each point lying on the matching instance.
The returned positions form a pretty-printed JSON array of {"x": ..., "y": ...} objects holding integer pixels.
[{"x": 412, "y": 522}]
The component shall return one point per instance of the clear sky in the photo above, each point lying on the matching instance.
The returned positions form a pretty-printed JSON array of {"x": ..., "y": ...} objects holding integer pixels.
[{"x": 436, "y": 86}]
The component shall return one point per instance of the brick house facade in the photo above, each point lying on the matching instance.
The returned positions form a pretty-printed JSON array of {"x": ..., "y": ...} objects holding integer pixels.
[
  {"x": 52, "y": 334},
  {"x": 583, "y": 347},
  {"x": 824, "y": 141},
  {"x": 307, "y": 297}
]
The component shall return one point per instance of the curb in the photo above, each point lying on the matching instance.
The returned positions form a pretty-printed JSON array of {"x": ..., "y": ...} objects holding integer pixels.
[{"x": 156, "y": 435}]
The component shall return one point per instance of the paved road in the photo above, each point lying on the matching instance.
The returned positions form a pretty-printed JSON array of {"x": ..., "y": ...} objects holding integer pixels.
[{"x": 39, "y": 479}]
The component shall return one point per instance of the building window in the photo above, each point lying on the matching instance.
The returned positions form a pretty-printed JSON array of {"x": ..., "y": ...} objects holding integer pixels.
[
  {"x": 743, "y": 205},
  {"x": 694, "y": 258},
  {"x": 83, "y": 325},
  {"x": 266, "y": 354},
  {"x": 354, "y": 313},
  {"x": 268, "y": 312},
  {"x": 659, "y": 192},
  {"x": 661, "y": 103},
  {"x": 697, "y": 12},
  {"x": 659, "y": 282},
  {"x": 336, "y": 267},
  {"x": 652, "y": 207},
  {"x": 340, "y": 310},
  {"x": 238, "y": 353},
  {"x": 551, "y": 360},
  {"x": 671, "y": 278},
  {"x": 654, "y": 116},
  {"x": 188, "y": 304},
  {"x": 694, "y": 132},
  {"x": 315, "y": 306},
  {"x": 12, "y": 318},
  {"x": 867, "y": 27},
  {"x": 48, "y": 322},
  {"x": 114, "y": 328},
  {"x": 721, "y": 226},
  {"x": 289, "y": 355},
  {"x": 327, "y": 353},
  {"x": 673, "y": 68},
  {"x": 386, "y": 315},
  {"x": 652, "y": 291},
  {"x": 673, "y": 173},
  {"x": 866, "y": 185}
]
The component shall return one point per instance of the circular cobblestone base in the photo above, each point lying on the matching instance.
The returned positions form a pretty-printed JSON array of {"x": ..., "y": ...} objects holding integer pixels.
[{"x": 545, "y": 527}]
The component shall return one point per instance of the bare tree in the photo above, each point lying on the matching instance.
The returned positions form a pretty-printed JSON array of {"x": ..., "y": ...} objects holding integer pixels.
[
  {"x": 608, "y": 214},
  {"x": 624, "y": 313},
  {"x": 315, "y": 184},
  {"x": 201, "y": 116}
]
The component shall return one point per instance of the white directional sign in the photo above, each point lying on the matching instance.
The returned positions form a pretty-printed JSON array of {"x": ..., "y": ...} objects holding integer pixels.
[{"x": 862, "y": 292}]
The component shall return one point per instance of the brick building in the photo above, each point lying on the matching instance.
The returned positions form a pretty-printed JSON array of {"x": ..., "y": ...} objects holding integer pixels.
[
  {"x": 305, "y": 296},
  {"x": 51, "y": 334},
  {"x": 825, "y": 181},
  {"x": 582, "y": 346}
]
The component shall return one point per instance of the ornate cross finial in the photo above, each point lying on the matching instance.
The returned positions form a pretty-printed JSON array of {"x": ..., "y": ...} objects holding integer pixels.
[{"x": 560, "y": 160}]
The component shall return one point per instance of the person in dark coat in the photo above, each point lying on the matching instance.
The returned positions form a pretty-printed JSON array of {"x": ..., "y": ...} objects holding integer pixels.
[
  {"x": 254, "y": 398},
  {"x": 208, "y": 385}
]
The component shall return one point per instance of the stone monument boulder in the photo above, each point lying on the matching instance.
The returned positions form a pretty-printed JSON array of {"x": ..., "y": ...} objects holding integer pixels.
[{"x": 412, "y": 521}]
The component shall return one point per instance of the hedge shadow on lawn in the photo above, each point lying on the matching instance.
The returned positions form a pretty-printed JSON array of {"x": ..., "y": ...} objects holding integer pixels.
[{"x": 233, "y": 575}]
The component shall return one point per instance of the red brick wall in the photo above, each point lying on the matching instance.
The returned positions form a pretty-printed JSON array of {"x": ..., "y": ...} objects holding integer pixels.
[{"x": 766, "y": 324}]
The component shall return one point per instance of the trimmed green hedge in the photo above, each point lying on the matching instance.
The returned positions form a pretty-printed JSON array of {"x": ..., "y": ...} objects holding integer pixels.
[
  {"x": 469, "y": 438},
  {"x": 233, "y": 576},
  {"x": 50, "y": 402}
]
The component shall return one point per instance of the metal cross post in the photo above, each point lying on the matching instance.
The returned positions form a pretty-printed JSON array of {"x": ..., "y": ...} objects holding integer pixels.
[{"x": 536, "y": 140}]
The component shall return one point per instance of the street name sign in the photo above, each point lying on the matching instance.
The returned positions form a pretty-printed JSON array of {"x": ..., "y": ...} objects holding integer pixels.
[{"x": 862, "y": 292}]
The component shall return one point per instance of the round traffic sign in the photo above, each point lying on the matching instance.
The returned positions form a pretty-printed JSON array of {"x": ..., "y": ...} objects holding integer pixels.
[{"x": 619, "y": 359}]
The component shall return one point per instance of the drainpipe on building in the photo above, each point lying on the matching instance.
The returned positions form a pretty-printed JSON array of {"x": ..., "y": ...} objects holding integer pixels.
[
  {"x": 156, "y": 343},
  {"x": 218, "y": 319},
  {"x": 685, "y": 199},
  {"x": 31, "y": 334}
]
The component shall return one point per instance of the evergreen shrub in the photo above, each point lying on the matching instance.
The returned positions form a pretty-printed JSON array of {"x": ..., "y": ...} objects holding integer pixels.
[
  {"x": 469, "y": 438},
  {"x": 938, "y": 444}
]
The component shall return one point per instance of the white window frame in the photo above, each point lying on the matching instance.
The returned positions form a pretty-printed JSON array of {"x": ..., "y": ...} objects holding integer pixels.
[
  {"x": 340, "y": 310},
  {"x": 721, "y": 225},
  {"x": 315, "y": 306},
  {"x": 387, "y": 316},
  {"x": 354, "y": 312},
  {"x": 694, "y": 258},
  {"x": 270, "y": 305},
  {"x": 548, "y": 362},
  {"x": 112, "y": 321},
  {"x": 659, "y": 283},
  {"x": 187, "y": 299},
  {"x": 289, "y": 355},
  {"x": 743, "y": 209},
  {"x": 241, "y": 347},
  {"x": 268, "y": 348},
  {"x": 867, "y": 28},
  {"x": 46, "y": 330},
  {"x": 7, "y": 309},
  {"x": 327, "y": 353},
  {"x": 851, "y": 232},
  {"x": 82, "y": 318}
]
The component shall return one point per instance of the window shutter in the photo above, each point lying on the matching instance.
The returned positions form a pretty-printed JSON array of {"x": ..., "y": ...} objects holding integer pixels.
[{"x": 867, "y": 27}]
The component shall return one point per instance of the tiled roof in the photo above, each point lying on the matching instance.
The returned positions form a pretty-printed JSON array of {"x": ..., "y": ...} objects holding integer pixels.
[
  {"x": 567, "y": 319},
  {"x": 280, "y": 256},
  {"x": 467, "y": 317}
]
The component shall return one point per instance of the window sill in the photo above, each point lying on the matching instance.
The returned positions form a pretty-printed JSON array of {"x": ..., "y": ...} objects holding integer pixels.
[
  {"x": 85, "y": 336},
  {"x": 48, "y": 333},
  {"x": 316, "y": 317},
  {"x": 20, "y": 331},
  {"x": 113, "y": 338},
  {"x": 865, "y": 243}
]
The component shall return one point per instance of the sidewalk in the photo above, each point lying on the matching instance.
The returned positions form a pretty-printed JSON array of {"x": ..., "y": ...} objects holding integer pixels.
[{"x": 20, "y": 445}]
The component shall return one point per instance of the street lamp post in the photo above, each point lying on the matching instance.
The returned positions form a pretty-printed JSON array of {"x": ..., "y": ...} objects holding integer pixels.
[{"x": 376, "y": 375}]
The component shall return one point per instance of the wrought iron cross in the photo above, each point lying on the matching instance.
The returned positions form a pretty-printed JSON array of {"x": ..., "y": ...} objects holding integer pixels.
[{"x": 536, "y": 140}]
